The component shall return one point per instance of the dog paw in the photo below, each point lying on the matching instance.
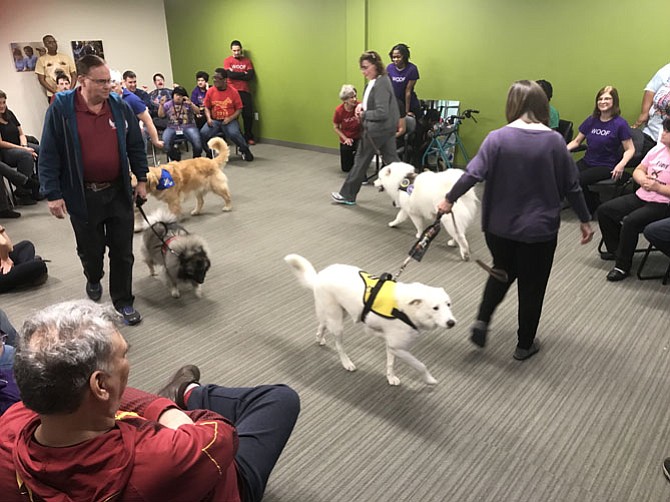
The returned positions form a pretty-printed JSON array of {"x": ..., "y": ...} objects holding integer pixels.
[
  {"x": 226, "y": 209},
  {"x": 451, "y": 243},
  {"x": 349, "y": 366},
  {"x": 195, "y": 212},
  {"x": 198, "y": 292},
  {"x": 392, "y": 224},
  {"x": 465, "y": 256},
  {"x": 175, "y": 293},
  {"x": 430, "y": 380},
  {"x": 393, "y": 380},
  {"x": 418, "y": 234}
]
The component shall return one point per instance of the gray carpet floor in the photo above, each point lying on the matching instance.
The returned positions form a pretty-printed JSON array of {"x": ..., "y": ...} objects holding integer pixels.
[{"x": 584, "y": 420}]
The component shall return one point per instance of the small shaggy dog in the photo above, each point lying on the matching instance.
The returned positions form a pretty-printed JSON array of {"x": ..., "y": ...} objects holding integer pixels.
[
  {"x": 417, "y": 196},
  {"x": 183, "y": 257},
  {"x": 198, "y": 176},
  {"x": 396, "y": 312}
]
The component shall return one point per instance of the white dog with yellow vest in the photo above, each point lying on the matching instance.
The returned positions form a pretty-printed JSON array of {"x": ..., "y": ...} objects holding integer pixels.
[{"x": 396, "y": 312}]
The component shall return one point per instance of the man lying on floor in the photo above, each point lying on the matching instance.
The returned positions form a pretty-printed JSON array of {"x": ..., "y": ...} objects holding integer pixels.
[{"x": 81, "y": 434}]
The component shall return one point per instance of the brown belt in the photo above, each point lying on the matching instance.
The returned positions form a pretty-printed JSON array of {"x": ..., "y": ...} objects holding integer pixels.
[{"x": 98, "y": 186}]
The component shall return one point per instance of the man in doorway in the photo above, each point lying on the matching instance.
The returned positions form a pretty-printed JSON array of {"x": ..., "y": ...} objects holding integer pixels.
[
  {"x": 240, "y": 73},
  {"x": 222, "y": 107},
  {"x": 50, "y": 64},
  {"x": 90, "y": 143}
]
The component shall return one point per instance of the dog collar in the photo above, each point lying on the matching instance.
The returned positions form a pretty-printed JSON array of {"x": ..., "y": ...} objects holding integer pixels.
[
  {"x": 407, "y": 183},
  {"x": 165, "y": 248},
  {"x": 379, "y": 297}
]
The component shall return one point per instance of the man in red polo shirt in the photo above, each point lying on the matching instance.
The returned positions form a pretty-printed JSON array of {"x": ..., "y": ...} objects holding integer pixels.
[
  {"x": 240, "y": 73},
  {"x": 222, "y": 107},
  {"x": 90, "y": 142}
]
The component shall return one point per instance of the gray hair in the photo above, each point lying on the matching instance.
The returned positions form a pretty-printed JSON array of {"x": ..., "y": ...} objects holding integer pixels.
[
  {"x": 59, "y": 348},
  {"x": 347, "y": 91}
]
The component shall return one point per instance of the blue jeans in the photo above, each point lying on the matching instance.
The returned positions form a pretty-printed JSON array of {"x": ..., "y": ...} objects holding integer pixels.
[
  {"x": 264, "y": 418},
  {"x": 191, "y": 134},
  {"x": 230, "y": 131}
]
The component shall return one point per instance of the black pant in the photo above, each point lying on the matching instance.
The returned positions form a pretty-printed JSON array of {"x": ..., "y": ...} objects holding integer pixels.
[
  {"x": 110, "y": 223},
  {"x": 27, "y": 271},
  {"x": 588, "y": 175},
  {"x": 622, "y": 220},
  {"x": 367, "y": 148},
  {"x": 530, "y": 264},
  {"x": 347, "y": 155},
  {"x": 247, "y": 114}
]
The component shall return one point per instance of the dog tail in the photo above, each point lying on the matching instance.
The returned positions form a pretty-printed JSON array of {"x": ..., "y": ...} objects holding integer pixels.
[
  {"x": 220, "y": 145},
  {"x": 302, "y": 269},
  {"x": 162, "y": 214}
]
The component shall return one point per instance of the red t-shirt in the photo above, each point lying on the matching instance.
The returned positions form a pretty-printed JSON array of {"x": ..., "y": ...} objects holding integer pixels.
[
  {"x": 137, "y": 460},
  {"x": 98, "y": 142},
  {"x": 222, "y": 104},
  {"x": 349, "y": 123},
  {"x": 239, "y": 65}
]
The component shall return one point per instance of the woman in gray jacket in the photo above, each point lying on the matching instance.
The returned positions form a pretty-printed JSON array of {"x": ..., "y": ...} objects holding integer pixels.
[{"x": 379, "y": 115}]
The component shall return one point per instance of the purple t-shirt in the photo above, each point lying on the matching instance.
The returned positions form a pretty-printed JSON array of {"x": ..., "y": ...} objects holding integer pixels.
[
  {"x": 528, "y": 172},
  {"x": 603, "y": 140},
  {"x": 399, "y": 79}
]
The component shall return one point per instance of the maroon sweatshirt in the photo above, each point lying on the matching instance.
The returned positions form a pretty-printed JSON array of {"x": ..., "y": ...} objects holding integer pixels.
[{"x": 137, "y": 460}]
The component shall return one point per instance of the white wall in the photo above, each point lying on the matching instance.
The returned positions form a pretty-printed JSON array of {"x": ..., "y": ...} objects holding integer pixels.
[{"x": 133, "y": 32}]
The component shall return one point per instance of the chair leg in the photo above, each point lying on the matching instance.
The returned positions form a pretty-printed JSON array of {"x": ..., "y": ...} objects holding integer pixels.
[{"x": 665, "y": 276}]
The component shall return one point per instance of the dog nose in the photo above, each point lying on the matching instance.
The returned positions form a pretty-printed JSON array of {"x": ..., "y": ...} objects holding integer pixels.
[{"x": 451, "y": 323}]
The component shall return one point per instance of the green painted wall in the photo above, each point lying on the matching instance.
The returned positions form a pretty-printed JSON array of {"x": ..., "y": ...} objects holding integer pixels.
[{"x": 468, "y": 50}]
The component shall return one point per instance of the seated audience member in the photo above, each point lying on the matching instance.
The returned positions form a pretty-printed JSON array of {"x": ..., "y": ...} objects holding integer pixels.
[
  {"x": 180, "y": 112},
  {"x": 198, "y": 97},
  {"x": 16, "y": 151},
  {"x": 553, "y": 112},
  {"x": 623, "y": 218},
  {"x": 222, "y": 107},
  {"x": 655, "y": 108},
  {"x": 606, "y": 134},
  {"x": 23, "y": 183},
  {"x": 155, "y": 97},
  {"x": 658, "y": 234},
  {"x": 19, "y": 267},
  {"x": 139, "y": 109},
  {"x": 62, "y": 83},
  {"x": 347, "y": 126},
  {"x": 130, "y": 83},
  {"x": 9, "y": 392},
  {"x": 197, "y": 442}
]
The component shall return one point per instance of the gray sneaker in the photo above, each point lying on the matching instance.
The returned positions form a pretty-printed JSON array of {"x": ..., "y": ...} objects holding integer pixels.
[{"x": 523, "y": 354}]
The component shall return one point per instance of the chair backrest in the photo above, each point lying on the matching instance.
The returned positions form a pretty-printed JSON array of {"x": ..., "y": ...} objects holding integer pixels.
[
  {"x": 565, "y": 129},
  {"x": 638, "y": 143}
]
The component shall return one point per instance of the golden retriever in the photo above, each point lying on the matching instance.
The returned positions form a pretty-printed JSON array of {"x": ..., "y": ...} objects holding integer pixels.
[{"x": 193, "y": 176}]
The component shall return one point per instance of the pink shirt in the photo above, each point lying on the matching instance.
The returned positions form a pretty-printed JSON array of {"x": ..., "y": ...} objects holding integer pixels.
[{"x": 657, "y": 162}]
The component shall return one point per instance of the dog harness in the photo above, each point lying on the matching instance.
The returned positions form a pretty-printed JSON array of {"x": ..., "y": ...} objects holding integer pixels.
[
  {"x": 379, "y": 297},
  {"x": 165, "y": 248}
]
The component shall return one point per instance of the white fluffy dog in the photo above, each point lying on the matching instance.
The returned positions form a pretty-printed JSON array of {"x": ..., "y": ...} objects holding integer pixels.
[
  {"x": 397, "y": 315},
  {"x": 417, "y": 196}
]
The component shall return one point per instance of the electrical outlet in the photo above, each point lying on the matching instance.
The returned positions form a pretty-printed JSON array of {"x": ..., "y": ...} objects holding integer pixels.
[{"x": 255, "y": 115}]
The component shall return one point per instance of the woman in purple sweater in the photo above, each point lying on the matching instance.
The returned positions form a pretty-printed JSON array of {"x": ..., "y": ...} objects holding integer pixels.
[{"x": 528, "y": 171}]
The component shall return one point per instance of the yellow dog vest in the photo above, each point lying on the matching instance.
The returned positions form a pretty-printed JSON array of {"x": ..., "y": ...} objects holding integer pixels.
[{"x": 383, "y": 303}]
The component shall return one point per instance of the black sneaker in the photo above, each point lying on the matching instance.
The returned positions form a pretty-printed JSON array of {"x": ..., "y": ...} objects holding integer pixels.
[
  {"x": 607, "y": 256},
  {"x": 479, "y": 331},
  {"x": 25, "y": 200},
  {"x": 8, "y": 213},
  {"x": 175, "y": 388},
  {"x": 130, "y": 316},
  {"x": 247, "y": 155},
  {"x": 94, "y": 290},
  {"x": 616, "y": 274},
  {"x": 523, "y": 354},
  {"x": 666, "y": 468}
]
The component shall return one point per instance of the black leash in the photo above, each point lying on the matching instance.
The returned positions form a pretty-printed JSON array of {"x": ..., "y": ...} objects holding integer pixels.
[{"x": 138, "y": 203}]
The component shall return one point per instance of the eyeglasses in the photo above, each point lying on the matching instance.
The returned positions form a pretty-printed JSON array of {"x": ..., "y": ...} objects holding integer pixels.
[{"x": 100, "y": 81}]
